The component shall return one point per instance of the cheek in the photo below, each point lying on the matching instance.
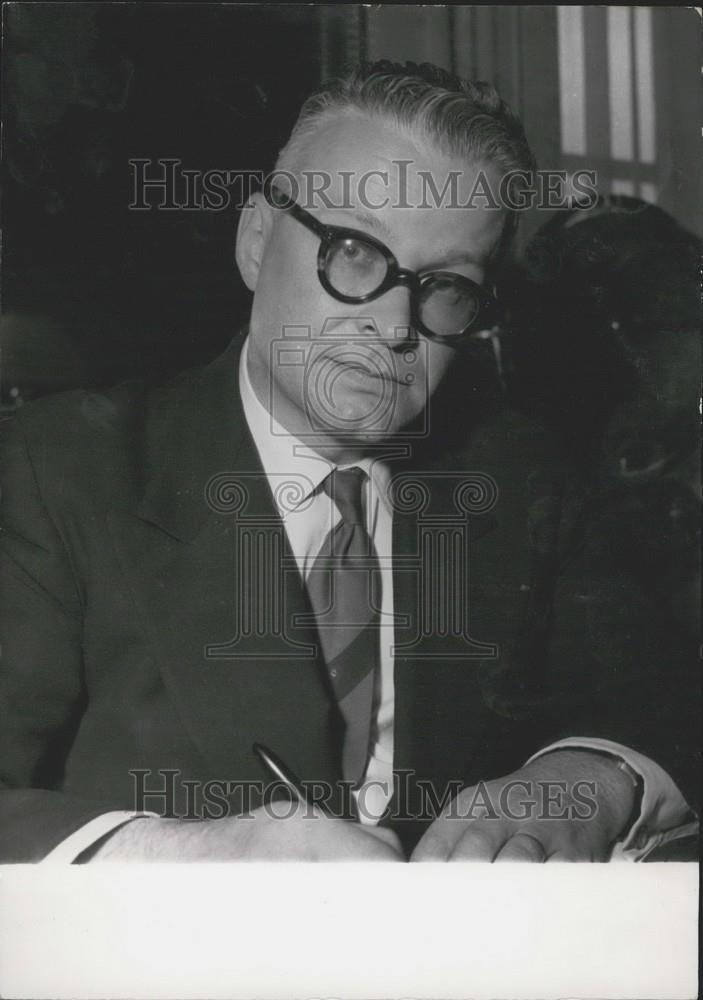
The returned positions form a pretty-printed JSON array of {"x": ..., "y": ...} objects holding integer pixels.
[
  {"x": 291, "y": 295},
  {"x": 288, "y": 283},
  {"x": 438, "y": 358}
]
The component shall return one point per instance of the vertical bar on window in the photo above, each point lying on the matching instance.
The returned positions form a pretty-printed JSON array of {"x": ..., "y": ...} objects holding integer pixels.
[
  {"x": 620, "y": 73},
  {"x": 595, "y": 34},
  {"x": 474, "y": 45},
  {"x": 645, "y": 83},
  {"x": 323, "y": 15},
  {"x": 362, "y": 34},
  {"x": 464, "y": 42},
  {"x": 634, "y": 90},
  {"x": 483, "y": 26},
  {"x": 451, "y": 31},
  {"x": 518, "y": 89},
  {"x": 572, "y": 80}
]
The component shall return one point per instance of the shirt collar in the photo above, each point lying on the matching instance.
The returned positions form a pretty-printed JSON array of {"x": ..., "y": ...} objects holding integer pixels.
[{"x": 281, "y": 453}]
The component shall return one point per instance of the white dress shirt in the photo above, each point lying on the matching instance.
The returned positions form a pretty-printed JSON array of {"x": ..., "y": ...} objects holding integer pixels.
[{"x": 308, "y": 514}]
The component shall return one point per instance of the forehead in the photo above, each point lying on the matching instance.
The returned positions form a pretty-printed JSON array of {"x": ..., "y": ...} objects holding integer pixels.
[{"x": 358, "y": 167}]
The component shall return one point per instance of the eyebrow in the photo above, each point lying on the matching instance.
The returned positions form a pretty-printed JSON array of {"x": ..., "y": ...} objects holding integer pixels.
[
  {"x": 373, "y": 222},
  {"x": 370, "y": 221},
  {"x": 463, "y": 257}
]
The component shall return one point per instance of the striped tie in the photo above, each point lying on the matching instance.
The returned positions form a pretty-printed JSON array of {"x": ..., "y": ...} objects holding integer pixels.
[{"x": 344, "y": 588}]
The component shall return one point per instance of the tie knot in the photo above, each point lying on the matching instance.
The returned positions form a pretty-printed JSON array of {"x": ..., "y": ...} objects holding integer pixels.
[{"x": 344, "y": 487}]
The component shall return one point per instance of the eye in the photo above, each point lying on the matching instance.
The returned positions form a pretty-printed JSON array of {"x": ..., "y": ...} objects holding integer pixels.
[
  {"x": 354, "y": 251},
  {"x": 354, "y": 267}
]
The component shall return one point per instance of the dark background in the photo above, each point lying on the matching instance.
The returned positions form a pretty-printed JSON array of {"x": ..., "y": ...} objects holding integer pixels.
[{"x": 94, "y": 292}]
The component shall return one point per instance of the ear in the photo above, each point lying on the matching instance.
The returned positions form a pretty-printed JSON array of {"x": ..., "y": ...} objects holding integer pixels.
[{"x": 253, "y": 231}]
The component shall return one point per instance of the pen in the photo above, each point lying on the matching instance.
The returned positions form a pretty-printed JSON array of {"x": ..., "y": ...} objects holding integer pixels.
[{"x": 279, "y": 770}]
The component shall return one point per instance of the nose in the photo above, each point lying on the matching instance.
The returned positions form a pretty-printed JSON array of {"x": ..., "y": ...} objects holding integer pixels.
[{"x": 390, "y": 314}]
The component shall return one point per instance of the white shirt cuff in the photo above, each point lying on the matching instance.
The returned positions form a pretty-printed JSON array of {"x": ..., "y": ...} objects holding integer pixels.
[
  {"x": 664, "y": 813},
  {"x": 68, "y": 850}
]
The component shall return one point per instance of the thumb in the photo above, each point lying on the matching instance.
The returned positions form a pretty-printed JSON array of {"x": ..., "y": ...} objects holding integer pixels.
[{"x": 386, "y": 836}]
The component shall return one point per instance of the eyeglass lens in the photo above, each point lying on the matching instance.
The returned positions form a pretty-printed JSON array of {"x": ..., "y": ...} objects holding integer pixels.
[
  {"x": 354, "y": 267},
  {"x": 445, "y": 305}
]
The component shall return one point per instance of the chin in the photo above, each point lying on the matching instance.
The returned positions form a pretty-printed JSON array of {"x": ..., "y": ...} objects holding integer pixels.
[{"x": 363, "y": 417}]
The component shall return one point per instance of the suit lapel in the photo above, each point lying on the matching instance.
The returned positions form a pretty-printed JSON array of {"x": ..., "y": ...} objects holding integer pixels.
[
  {"x": 210, "y": 568},
  {"x": 440, "y": 518}
]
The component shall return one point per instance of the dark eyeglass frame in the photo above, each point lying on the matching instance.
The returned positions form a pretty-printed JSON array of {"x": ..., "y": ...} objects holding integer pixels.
[{"x": 395, "y": 274}]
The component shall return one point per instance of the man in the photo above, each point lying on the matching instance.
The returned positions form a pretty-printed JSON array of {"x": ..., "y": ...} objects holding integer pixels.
[{"x": 147, "y": 643}]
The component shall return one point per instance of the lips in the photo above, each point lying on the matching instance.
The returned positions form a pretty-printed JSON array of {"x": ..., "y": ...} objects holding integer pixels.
[
  {"x": 377, "y": 373},
  {"x": 359, "y": 368}
]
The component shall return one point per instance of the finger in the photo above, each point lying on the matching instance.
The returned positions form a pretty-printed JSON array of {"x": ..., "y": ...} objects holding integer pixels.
[
  {"x": 374, "y": 849},
  {"x": 439, "y": 840},
  {"x": 481, "y": 842},
  {"x": 385, "y": 835},
  {"x": 355, "y": 842},
  {"x": 567, "y": 851},
  {"x": 562, "y": 856},
  {"x": 523, "y": 847}
]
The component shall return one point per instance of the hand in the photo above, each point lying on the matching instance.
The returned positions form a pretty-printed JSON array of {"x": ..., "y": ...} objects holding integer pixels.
[
  {"x": 569, "y": 805},
  {"x": 297, "y": 835}
]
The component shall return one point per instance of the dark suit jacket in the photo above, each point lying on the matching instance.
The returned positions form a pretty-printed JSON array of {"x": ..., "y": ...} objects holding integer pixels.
[{"x": 122, "y": 576}]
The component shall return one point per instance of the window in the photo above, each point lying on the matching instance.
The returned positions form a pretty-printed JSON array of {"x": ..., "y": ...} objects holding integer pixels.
[{"x": 607, "y": 107}]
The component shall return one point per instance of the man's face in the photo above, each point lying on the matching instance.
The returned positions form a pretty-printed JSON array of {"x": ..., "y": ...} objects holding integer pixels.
[{"x": 333, "y": 371}]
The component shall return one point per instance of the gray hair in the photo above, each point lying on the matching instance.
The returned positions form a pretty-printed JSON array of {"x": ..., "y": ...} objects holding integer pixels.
[{"x": 462, "y": 118}]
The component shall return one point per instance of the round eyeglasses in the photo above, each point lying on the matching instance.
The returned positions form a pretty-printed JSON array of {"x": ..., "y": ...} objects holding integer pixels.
[{"x": 354, "y": 267}]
